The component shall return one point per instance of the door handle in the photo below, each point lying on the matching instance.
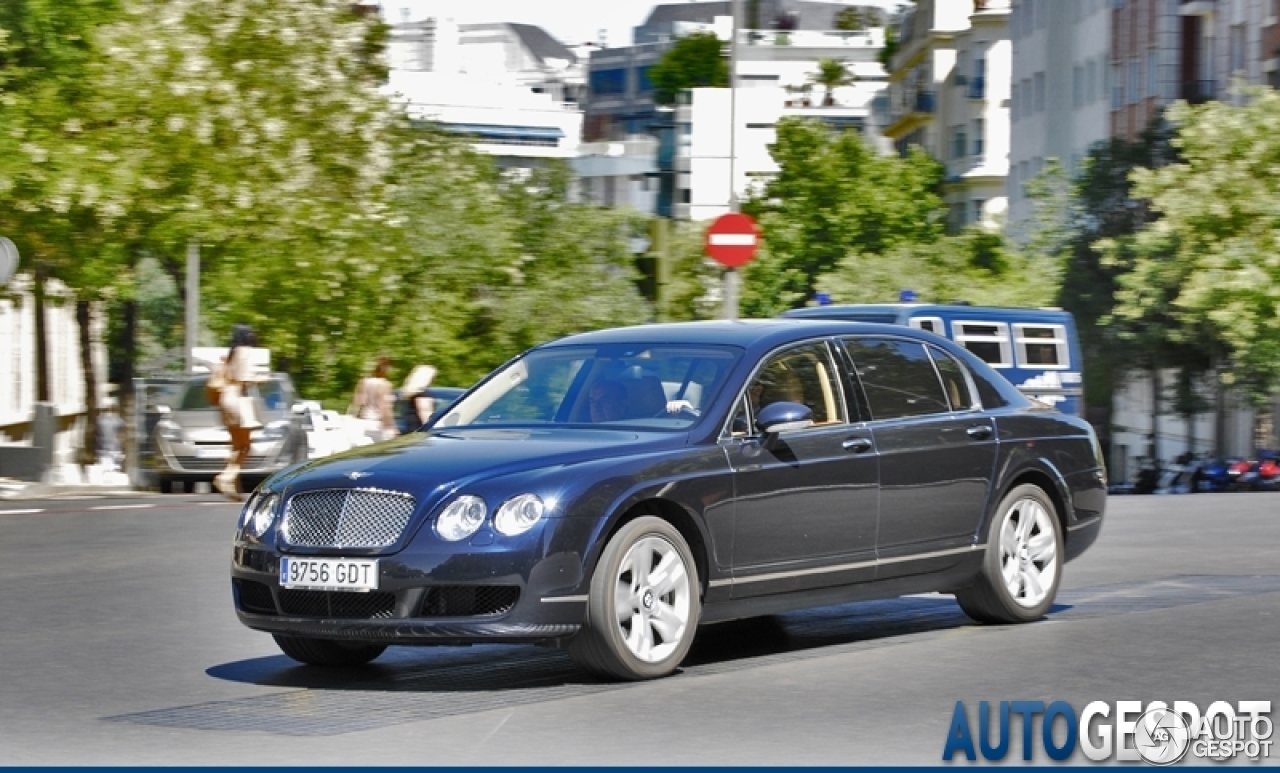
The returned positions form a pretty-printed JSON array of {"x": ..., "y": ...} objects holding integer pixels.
[
  {"x": 857, "y": 444},
  {"x": 979, "y": 431}
]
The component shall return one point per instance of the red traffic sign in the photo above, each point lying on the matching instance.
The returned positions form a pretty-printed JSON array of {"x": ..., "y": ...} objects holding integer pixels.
[{"x": 732, "y": 239}]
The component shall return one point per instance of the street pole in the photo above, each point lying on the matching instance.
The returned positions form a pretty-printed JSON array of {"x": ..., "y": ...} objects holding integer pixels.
[
  {"x": 731, "y": 276},
  {"x": 193, "y": 302}
]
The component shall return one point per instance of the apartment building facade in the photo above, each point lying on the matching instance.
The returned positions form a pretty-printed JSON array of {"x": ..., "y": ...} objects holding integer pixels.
[
  {"x": 1060, "y": 101},
  {"x": 949, "y": 94}
]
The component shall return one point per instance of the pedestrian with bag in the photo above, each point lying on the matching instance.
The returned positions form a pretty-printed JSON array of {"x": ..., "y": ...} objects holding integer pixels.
[
  {"x": 373, "y": 403},
  {"x": 234, "y": 381}
]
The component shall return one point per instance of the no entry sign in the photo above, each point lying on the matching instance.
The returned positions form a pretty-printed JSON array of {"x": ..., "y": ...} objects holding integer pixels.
[{"x": 732, "y": 239}]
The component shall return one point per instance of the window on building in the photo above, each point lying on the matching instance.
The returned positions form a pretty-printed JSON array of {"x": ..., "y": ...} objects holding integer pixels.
[
  {"x": 959, "y": 142},
  {"x": 643, "y": 84},
  {"x": 1237, "y": 49},
  {"x": 1117, "y": 87},
  {"x": 1039, "y": 92},
  {"x": 609, "y": 82},
  {"x": 1153, "y": 73},
  {"x": 979, "y": 137},
  {"x": 1077, "y": 86},
  {"x": 1091, "y": 82},
  {"x": 977, "y": 205},
  {"x": 1135, "y": 81}
]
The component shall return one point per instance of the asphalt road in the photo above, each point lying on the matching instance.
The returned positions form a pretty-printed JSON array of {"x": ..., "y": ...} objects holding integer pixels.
[{"x": 118, "y": 645}]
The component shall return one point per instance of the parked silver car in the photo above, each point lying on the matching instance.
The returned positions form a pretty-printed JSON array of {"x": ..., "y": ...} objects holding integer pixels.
[{"x": 190, "y": 444}]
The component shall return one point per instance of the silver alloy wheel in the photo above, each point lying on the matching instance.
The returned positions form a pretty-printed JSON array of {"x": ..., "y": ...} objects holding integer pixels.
[
  {"x": 1028, "y": 552},
  {"x": 652, "y": 599}
]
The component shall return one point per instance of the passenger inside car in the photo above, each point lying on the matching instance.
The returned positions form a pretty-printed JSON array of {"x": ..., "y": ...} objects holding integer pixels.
[{"x": 607, "y": 400}]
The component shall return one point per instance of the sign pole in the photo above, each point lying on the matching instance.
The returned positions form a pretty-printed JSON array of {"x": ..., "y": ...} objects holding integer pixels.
[
  {"x": 193, "y": 303},
  {"x": 731, "y": 276}
]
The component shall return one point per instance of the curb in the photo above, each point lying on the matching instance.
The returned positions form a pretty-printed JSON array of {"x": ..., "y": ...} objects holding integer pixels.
[{"x": 47, "y": 490}]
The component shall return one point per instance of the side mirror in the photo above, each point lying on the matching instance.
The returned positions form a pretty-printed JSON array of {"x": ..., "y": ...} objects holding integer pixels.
[{"x": 783, "y": 416}]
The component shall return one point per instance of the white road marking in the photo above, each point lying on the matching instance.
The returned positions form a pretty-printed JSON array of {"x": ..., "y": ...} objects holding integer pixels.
[
  {"x": 121, "y": 507},
  {"x": 22, "y": 512}
]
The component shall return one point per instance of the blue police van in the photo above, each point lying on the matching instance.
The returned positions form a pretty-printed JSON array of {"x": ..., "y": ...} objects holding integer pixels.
[{"x": 1036, "y": 349}]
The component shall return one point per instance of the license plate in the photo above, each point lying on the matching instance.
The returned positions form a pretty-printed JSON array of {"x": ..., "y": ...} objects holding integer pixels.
[
  {"x": 329, "y": 573},
  {"x": 213, "y": 453}
]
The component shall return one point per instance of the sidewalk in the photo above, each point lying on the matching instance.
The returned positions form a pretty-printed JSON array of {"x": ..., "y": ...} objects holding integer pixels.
[{"x": 67, "y": 479}]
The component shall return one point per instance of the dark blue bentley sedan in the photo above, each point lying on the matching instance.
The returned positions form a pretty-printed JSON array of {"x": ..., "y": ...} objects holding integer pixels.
[{"x": 609, "y": 492}]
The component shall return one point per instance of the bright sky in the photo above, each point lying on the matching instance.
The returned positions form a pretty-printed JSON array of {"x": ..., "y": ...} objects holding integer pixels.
[{"x": 570, "y": 21}]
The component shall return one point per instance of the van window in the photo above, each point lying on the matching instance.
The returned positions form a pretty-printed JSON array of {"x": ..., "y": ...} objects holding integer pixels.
[
  {"x": 1041, "y": 346},
  {"x": 988, "y": 340},
  {"x": 932, "y": 324}
]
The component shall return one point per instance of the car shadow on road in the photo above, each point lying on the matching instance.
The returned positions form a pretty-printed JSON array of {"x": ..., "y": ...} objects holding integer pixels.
[{"x": 718, "y": 647}]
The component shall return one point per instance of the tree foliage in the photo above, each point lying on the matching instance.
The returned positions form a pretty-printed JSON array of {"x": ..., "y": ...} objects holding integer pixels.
[
  {"x": 1211, "y": 262},
  {"x": 695, "y": 60},
  {"x": 831, "y": 75},
  {"x": 833, "y": 197}
]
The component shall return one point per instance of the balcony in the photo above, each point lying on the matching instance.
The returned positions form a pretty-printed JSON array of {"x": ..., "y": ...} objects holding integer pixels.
[{"x": 1197, "y": 92}]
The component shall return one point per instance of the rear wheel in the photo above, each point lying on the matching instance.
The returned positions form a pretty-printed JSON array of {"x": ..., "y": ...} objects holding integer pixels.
[
  {"x": 644, "y": 604},
  {"x": 323, "y": 652},
  {"x": 1023, "y": 564}
]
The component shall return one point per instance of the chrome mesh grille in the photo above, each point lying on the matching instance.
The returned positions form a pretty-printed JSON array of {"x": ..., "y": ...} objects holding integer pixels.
[{"x": 346, "y": 518}]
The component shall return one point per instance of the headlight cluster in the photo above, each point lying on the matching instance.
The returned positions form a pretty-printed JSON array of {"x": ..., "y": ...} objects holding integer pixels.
[
  {"x": 258, "y": 514},
  {"x": 465, "y": 515},
  {"x": 169, "y": 430},
  {"x": 276, "y": 430}
]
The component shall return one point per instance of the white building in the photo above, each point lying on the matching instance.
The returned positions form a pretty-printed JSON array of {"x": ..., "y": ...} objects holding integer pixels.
[
  {"x": 948, "y": 94},
  {"x": 512, "y": 123},
  {"x": 66, "y": 376},
  {"x": 618, "y": 174},
  {"x": 1060, "y": 103},
  {"x": 775, "y": 79}
]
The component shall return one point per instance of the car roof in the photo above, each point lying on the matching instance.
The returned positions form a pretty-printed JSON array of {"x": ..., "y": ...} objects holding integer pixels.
[{"x": 746, "y": 333}]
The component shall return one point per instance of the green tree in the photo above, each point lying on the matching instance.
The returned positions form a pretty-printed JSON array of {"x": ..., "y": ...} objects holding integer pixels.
[
  {"x": 51, "y": 179},
  {"x": 693, "y": 61},
  {"x": 831, "y": 75},
  {"x": 1209, "y": 262},
  {"x": 833, "y": 196},
  {"x": 851, "y": 19},
  {"x": 975, "y": 265}
]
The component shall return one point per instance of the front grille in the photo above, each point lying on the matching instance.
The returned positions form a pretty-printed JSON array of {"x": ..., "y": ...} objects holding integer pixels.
[
  {"x": 468, "y": 600},
  {"x": 346, "y": 518},
  {"x": 254, "y": 597},
  {"x": 194, "y": 464},
  {"x": 337, "y": 604}
]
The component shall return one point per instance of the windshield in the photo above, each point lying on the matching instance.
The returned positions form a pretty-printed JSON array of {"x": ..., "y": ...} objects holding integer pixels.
[
  {"x": 193, "y": 397},
  {"x": 661, "y": 386}
]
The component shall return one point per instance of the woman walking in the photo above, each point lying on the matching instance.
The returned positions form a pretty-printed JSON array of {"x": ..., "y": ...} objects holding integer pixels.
[
  {"x": 374, "y": 403},
  {"x": 238, "y": 407}
]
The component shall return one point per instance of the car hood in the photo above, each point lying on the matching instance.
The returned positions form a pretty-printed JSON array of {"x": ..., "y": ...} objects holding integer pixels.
[{"x": 443, "y": 460}]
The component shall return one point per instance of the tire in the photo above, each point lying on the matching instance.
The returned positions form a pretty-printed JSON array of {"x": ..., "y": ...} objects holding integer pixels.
[
  {"x": 640, "y": 627},
  {"x": 323, "y": 652},
  {"x": 1022, "y": 568}
]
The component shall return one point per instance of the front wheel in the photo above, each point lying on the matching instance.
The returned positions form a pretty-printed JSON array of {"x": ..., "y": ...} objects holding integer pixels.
[
  {"x": 323, "y": 652},
  {"x": 1023, "y": 565},
  {"x": 643, "y": 606}
]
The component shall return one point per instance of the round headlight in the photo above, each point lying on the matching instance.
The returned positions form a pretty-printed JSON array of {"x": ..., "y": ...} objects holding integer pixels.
[
  {"x": 262, "y": 514},
  {"x": 461, "y": 518},
  {"x": 518, "y": 514}
]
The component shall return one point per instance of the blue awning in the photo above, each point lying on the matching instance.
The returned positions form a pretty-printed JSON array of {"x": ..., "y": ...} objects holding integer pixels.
[{"x": 495, "y": 131}]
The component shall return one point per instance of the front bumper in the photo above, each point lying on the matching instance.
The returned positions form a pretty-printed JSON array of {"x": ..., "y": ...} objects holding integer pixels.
[{"x": 511, "y": 593}]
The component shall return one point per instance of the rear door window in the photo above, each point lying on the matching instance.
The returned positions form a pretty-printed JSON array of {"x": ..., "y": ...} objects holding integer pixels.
[{"x": 898, "y": 377}]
